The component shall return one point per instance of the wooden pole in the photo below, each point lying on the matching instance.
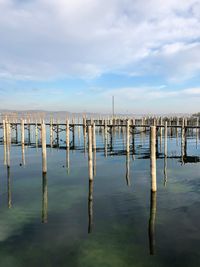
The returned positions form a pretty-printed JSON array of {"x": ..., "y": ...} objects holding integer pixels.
[
  {"x": 127, "y": 137},
  {"x": 8, "y": 137},
  {"x": 57, "y": 133},
  {"x": 36, "y": 134},
  {"x": 29, "y": 131},
  {"x": 67, "y": 134},
  {"x": 197, "y": 131},
  {"x": 51, "y": 132},
  {"x": 22, "y": 132},
  {"x": 182, "y": 140},
  {"x": 94, "y": 136},
  {"x": 84, "y": 133},
  {"x": 165, "y": 148},
  {"x": 16, "y": 133},
  {"x": 5, "y": 142},
  {"x": 94, "y": 147},
  {"x": 105, "y": 138},
  {"x": 177, "y": 124},
  {"x": 79, "y": 133},
  {"x": 90, "y": 158},
  {"x": 44, "y": 153},
  {"x": 161, "y": 132},
  {"x": 153, "y": 158}
]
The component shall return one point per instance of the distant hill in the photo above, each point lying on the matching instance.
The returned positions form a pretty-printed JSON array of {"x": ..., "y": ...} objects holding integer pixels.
[{"x": 62, "y": 115}]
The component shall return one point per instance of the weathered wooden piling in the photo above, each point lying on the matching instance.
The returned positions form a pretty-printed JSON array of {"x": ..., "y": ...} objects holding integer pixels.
[
  {"x": 165, "y": 154},
  {"x": 16, "y": 133},
  {"x": 79, "y": 132},
  {"x": 4, "y": 131},
  {"x": 182, "y": 140},
  {"x": 177, "y": 124},
  {"x": 94, "y": 136},
  {"x": 73, "y": 135},
  {"x": 4, "y": 142},
  {"x": 84, "y": 132},
  {"x": 165, "y": 144},
  {"x": 94, "y": 147},
  {"x": 36, "y": 134},
  {"x": 161, "y": 132},
  {"x": 111, "y": 136},
  {"x": 8, "y": 143},
  {"x": 29, "y": 131},
  {"x": 90, "y": 157},
  {"x": 185, "y": 139},
  {"x": 22, "y": 132},
  {"x": 51, "y": 132},
  {"x": 153, "y": 158},
  {"x": 44, "y": 153},
  {"x": 128, "y": 136},
  {"x": 57, "y": 133},
  {"x": 197, "y": 131},
  {"x": 105, "y": 138},
  {"x": 67, "y": 134}
]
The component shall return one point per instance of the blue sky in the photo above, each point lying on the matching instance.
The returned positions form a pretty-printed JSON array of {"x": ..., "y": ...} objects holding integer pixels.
[{"x": 74, "y": 55}]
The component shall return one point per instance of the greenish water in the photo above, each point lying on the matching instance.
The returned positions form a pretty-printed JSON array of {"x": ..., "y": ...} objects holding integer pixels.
[{"x": 49, "y": 221}]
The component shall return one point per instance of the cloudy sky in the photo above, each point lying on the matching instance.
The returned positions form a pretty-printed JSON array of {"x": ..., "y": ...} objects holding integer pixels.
[{"x": 75, "y": 54}]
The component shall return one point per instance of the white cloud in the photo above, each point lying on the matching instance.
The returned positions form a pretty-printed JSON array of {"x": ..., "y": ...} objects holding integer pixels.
[
  {"x": 53, "y": 38},
  {"x": 149, "y": 93}
]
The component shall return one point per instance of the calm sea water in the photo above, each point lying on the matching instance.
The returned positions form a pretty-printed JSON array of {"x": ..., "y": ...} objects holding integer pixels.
[{"x": 49, "y": 220}]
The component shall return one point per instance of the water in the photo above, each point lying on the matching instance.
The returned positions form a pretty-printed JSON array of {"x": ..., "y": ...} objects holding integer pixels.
[{"x": 51, "y": 221}]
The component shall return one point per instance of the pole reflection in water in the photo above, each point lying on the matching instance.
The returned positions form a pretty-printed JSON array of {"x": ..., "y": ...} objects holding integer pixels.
[
  {"x": 44, "y": 199},
  {"x": 67, "y": 160},
  {"x": 165, "y": 171},
  {"x": 23, "y": 155},
  {"x": 5, "y": 152},
  {"x": 152, "y": 223},
  {"x": 90, "y": 206},
  {"x": 9, "y": 188},
  {"x": 94, "y": 162},
  {"x": 128, "y": 169}
]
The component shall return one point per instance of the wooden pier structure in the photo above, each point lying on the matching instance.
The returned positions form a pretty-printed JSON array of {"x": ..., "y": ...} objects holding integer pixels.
[{"x": 41, "y": 134}]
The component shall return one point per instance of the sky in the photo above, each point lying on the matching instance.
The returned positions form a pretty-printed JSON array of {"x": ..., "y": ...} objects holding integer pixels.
[{"x": 75, "y": 55}]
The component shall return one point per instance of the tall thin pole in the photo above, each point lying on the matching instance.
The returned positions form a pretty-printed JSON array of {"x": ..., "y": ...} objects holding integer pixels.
[
  {"x": 113, "y": 106},
  {"x": 44, "y": 153},
  {"x": 153, "y": 158}
]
